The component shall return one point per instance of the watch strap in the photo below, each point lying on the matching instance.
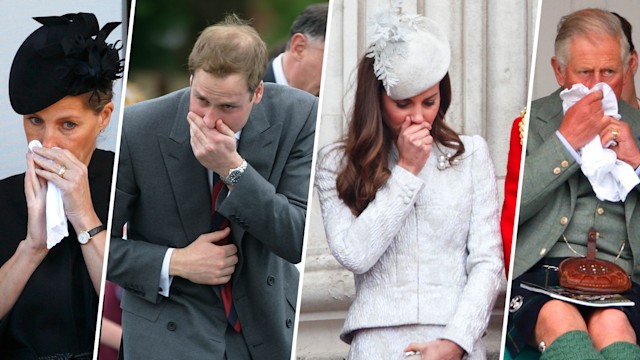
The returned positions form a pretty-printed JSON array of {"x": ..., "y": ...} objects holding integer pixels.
[
  {"x": 93, "y": 232},
  {"x": 234, "y": 174}
]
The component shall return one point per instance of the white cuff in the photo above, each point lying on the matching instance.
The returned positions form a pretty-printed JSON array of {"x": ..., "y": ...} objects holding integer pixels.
[
  {"x": 571, "y": 150},
  {"x": 165, "y": 278}
]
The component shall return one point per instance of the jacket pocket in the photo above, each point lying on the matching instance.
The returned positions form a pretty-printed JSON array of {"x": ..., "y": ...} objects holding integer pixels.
[{"x": 142, "y": 308}]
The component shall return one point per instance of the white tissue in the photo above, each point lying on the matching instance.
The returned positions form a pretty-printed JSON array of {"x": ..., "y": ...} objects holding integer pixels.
[
  {"x": 57, "y": 228},
  {"x": 610, "y": 178}
]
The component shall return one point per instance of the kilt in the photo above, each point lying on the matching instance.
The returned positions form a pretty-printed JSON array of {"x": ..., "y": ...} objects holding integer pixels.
[{"x": 525, "y": 305}]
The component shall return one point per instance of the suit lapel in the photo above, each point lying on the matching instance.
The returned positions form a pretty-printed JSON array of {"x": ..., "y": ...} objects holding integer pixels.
[
  {"x": 187, "y": 176},
  {"x": 259, "y": 141},
  {"x": 258, "y": 145},
  {"x": 551, "y": 115}
]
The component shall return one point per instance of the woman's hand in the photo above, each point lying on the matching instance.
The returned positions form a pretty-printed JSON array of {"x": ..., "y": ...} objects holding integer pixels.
[
  {"x": 414, "y": 145},
  {"x": 73, "y": 182},
  {"x": 16, "y": 272},
  {"x": 440, "y": 349},
  {"x": 35, "y": 191}
]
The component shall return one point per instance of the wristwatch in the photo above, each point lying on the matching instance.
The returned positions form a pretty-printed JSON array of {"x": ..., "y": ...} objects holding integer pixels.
[
  {"x": 235, "y": 174},
  {"x": 85, "y": 236}
]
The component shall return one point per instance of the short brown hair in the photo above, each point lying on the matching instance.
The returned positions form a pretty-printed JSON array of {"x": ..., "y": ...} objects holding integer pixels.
[{"x": 231, "y": 46}]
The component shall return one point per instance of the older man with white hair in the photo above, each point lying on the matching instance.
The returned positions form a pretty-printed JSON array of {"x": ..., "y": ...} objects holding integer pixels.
[{"x": 580, "y": 189}]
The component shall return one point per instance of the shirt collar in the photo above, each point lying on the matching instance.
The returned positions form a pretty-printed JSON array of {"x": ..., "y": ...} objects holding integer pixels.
[{"x": 278, "y": 71}]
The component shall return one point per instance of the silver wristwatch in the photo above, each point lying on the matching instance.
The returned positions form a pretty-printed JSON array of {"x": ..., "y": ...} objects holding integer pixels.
[
  {"x": 235, "y": 174},
  {"x": 85, "y": 236}
]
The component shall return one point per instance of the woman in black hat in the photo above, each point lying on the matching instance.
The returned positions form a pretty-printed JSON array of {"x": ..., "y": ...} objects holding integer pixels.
[{"x": 61, "y": 82}]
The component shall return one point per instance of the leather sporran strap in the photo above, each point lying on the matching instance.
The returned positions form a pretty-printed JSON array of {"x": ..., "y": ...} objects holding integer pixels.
[{"x": 592, "y": 237}]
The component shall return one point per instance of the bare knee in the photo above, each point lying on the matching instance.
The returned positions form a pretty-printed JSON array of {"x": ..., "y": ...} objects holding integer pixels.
[
  {"x": 607, "y": 326},
  {"x": 556, "y": 318}
]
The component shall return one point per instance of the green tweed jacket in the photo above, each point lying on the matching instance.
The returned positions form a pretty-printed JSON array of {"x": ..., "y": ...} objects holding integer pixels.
[{"x": 550, "y": 184}]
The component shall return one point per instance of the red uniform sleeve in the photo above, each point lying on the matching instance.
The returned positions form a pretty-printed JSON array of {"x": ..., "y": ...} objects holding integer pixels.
[{"x": 511, "y": 190}]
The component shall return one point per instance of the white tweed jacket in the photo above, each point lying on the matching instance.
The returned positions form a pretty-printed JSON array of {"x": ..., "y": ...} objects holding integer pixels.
[{"x": 427, "y": 250}]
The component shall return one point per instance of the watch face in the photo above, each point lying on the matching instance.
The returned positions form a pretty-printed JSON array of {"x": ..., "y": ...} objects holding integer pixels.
[
  {"x": 83, "y": 237},
  {"x": 234, "y": 176}
]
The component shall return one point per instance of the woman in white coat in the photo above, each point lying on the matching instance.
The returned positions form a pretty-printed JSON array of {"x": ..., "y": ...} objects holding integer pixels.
[{"x": 409, "y": 206}]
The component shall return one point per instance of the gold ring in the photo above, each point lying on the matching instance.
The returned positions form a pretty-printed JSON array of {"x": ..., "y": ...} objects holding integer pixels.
[
  {"x": 63, "y": 169},
  {"x": 615, "y": 133}
]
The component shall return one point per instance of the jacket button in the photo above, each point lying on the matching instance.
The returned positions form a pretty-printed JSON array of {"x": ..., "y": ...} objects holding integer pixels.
[
  {"x": 289, "y": 323},
  {"x": 543, "y": 251},
  {"x": 564, "y": 163},
  {"x": 600, "y": 211},
  {"x": 171, "y": 326},
  {"x": 270, "y": 280},
  {"x": 564, "y": 220},
  {"x": 557, "y": 171}
]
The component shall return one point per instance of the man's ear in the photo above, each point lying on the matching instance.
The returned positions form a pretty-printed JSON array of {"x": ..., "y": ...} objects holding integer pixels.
[
  {"x": 633, "y": 62},
  {"x": 631, "y": 68},
  {"x": 558, "y": 71},
  {"x": 257, "y": 94},
  {"x": 299, "y": 44}
]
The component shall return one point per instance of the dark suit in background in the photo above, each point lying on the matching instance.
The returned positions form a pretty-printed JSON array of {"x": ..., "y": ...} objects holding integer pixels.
[{"x": 269, "y": 76}]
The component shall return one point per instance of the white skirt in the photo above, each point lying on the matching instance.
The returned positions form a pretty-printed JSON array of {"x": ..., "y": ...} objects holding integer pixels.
[{"x": 389, "y": 343}]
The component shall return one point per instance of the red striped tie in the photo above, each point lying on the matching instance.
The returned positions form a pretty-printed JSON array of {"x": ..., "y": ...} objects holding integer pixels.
[{"x": 219, "y": 223}]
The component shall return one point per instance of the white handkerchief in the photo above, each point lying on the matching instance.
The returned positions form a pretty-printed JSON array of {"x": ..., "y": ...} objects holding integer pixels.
[
  {"x": 610, "y": 178},
  {"x": 57, "y": 228}
]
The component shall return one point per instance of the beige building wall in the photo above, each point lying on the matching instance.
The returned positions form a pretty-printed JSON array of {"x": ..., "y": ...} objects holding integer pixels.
[{"x": 491, "y": 45}]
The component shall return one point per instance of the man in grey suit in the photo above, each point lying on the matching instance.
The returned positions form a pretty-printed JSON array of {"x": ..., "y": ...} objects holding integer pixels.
[
  {"x": 558, "y": 206},
  {"x": 213, "y": 277}
]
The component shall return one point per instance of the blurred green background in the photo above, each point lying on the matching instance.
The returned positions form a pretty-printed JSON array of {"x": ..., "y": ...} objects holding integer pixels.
[{"x": 165, "y": 30}]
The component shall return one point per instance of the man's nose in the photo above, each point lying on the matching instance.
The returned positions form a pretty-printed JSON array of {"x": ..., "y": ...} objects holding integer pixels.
[{"x": 210, "y": 118}]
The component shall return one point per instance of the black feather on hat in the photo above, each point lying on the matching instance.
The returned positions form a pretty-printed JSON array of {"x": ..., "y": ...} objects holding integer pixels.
[{"x": 67, "y": 55}]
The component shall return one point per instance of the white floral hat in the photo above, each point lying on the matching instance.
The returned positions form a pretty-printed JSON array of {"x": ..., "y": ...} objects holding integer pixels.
[{"x": 411, "y": 53}]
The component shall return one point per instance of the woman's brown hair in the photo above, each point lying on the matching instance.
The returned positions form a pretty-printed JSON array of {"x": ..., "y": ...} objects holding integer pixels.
[{"x": 369, "y": 140}]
